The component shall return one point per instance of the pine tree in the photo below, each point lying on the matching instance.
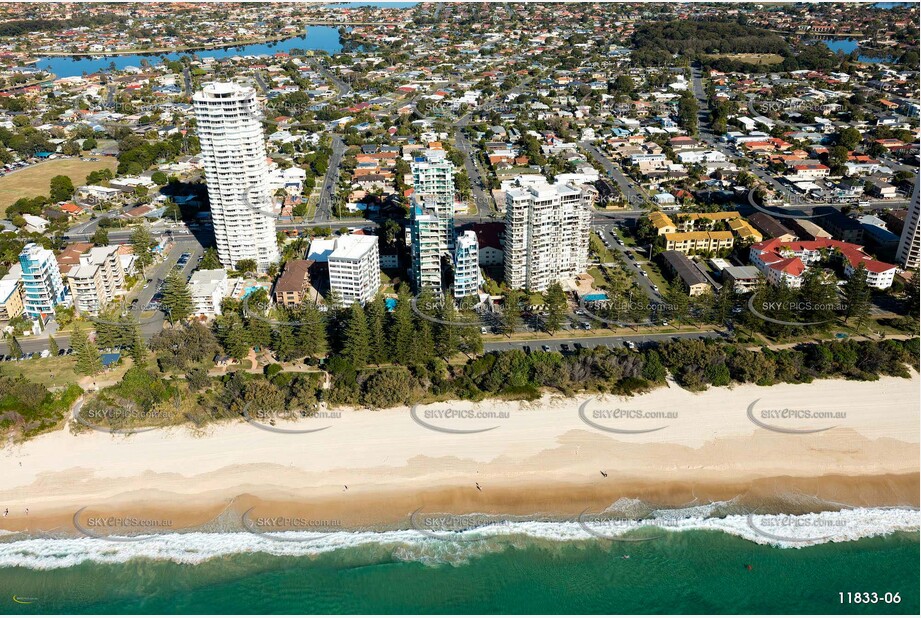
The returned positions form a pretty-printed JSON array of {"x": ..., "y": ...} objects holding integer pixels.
[
  {"x": 511, "y": 313},
  {"x": 447, "y": 336},
  {"x": 142, "y": 244},
  {"x": 53, "y": 346},
  {"x": 356, "y": 346},
  {"x": 88, "y": 361},
  {"x": 310, "y": 333},
  {"x": 138, "y": 347},
  {"x": 555, "y": 300},
  {"x": 177, "y": 299},
  {"x": 283, "y": 342},
  {"x": 15, "y": 348},
  {"x": 377, "y": 335},
  {"x": 857, "y": 296},
  {"x": 401, "y": 329}
]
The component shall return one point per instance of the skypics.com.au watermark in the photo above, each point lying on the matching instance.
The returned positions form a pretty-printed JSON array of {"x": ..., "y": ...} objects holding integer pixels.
[
  {"x": 292, "y": 420},
  {"x": 793, "y": 420},
  {"x": 614, "y": 311},
  {"x": 804, "y": 529},
  {"x": 600, "y": 415},
  {"x": 119, "y": 419},
  {"x": 285, "y": 528},
  {"x": 772, "y": 311},
  {"x": 120, "y": 528},
  {"x": 454, "y": 420}
]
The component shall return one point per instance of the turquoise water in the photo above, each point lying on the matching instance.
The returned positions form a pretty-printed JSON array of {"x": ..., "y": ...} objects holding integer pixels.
[
  {"x": 682, "y": 572},
  {"x": 323, "y": 38},
  {"x": 846, "y": 46}
]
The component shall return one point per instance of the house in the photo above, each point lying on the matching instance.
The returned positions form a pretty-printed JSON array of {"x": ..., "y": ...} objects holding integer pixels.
[{"x": 35, "y": 224}]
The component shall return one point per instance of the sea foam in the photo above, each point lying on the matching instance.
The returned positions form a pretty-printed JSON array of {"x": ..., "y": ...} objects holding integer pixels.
[{"x": 786, "y": 531}]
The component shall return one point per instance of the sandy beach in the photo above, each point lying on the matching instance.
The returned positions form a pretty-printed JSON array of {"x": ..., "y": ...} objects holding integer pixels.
[{"x": 556, "y": 456}]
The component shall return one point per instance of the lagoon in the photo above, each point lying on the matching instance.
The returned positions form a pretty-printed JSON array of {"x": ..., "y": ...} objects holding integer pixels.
[{"x": 319, "y": 38}]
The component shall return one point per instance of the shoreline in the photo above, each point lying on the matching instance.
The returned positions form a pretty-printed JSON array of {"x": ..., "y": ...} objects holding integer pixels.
[{"x": 375, "y": 468}]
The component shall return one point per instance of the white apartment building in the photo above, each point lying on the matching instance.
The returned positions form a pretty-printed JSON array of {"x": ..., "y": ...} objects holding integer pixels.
[
  {"x": 546, "y": 234},
  {"x": 233, "y": 153},
  {"x": 428, "y": 244},
  {"x": 43, "y": 286},
  {"x": 701, "y": 156},
  {"x": 208, "y": 288},
  {"x": 354, "y": 268},
  {"x": 96, "y": 281},
  {"x": 467, "y": 265},
  {"x": 433, "y": 187},
  {"x": 910, "y": 242}
]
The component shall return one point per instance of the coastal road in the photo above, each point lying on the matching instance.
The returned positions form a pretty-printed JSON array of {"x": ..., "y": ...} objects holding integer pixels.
[{"x": 330, "y": 181}]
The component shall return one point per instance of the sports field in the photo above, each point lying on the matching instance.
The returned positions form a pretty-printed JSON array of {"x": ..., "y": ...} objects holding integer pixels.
[{"x": 34, "y": 180}]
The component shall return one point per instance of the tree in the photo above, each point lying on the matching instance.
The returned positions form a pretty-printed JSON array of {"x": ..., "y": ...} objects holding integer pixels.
[
  {"x": 159, "y": 178},
  {"x": 247, "y": 266},
  {"x": 53, "y": 346},
  {"x": 142, "y": 244},
  {"x": 849, "y": 138},
  {"x": 138, "y": 348},
  {"x": 355, "y": 347},
  {"x": 555, "y": 301},
  {"x": 101, "y": 236},
  {"x": 447, "y": 337},
  {"x": 62, "y": 188},
  {"x": 89, "y": 143},
  {"x": 88, "y": 360},
  {"x": 310, "y": 332},
  {"x": 177, "y": 299},
  {"x": 401, "y": 329},
  {"x": 377, "y": 334},
  {"x": 15, "y": 348},
  {"x": 857, "y": 296},
  {"x": 511, "y": 312},
  {"x": 233, "y": 336},
  {"x": 209, "y": 260}
]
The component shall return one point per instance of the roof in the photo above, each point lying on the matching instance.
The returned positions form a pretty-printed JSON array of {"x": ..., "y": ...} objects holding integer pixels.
[
  {"x": 684, "y": 268},
  {"x": 295, "y": 275},
  {"x": 769, "y": 225},
  {"x": 352, "y": 247},
  {"x": 680, "y": 236},
  {"x": 742, "y": 272},
  {"x": 854, "y": 254}
]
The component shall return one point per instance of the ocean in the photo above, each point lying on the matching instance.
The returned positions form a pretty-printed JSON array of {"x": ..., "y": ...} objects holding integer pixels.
[{"x": 692, "y": 565}]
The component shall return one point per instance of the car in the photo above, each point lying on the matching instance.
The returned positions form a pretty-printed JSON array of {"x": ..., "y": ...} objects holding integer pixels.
[
  {"x": 483, "y": 330},
  {"x": 586, "y": 326},
  {"x": 69, "y": 352},
  {"x": 62, "y": 352},
  {"x": 564, "y": 347},
  {"x": 545, "y": 348},
  {"x": 577, "y": 346},
  {"x": 655, "y": 287},
  {"x": 526, "y": 348},
  {"x": 630, "y": 345}
]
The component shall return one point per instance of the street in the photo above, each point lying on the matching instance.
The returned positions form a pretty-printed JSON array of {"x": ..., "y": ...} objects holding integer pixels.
[{"x": 610, "y": 341}]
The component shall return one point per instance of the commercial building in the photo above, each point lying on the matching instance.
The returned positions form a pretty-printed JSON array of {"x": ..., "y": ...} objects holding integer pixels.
[
  {"x": 466, "y": 265},
  {"x": 234, "y": 159},
  {"x": 910, "y": 241},
  {"x": 546, "y": 234},
  {"x": 43, "y": 286},
  {"x": 742, "y": 278},
  {"x": 354, "y": 268}
]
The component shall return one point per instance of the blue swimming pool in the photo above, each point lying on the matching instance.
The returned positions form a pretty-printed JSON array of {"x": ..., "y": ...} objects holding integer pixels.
[{"x": 589, "y": 298}]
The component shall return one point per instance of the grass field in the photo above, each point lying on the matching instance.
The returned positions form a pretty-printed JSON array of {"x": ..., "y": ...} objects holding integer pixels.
[
  {"x": 759, "y": 59},
  {"x": 34, "y": 180}
]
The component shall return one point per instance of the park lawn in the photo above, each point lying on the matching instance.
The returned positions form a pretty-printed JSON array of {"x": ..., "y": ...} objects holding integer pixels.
[
  {"x": 757, "y": 59},
  {"x": 34, "y": 180}
]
